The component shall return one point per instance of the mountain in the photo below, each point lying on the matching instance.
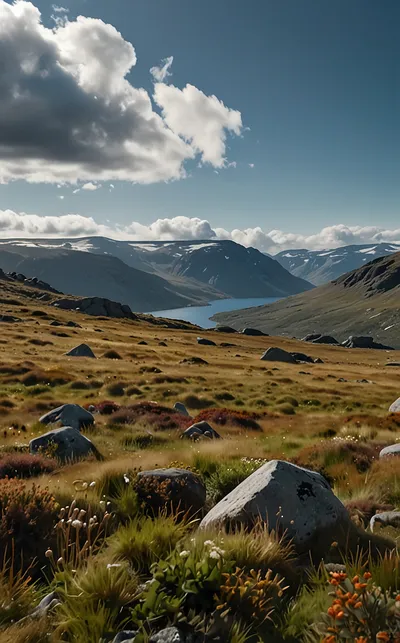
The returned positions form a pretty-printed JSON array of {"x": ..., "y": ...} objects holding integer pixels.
[
  {"x": 322, "y": 266},
  {"x": 362, "y": 302},
  {"x": 151, "y": 275}
]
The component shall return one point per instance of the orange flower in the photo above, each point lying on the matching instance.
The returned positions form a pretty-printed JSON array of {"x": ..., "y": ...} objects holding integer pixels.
[
  {"x": 361, "y": 639},
  {"x": 359, "y": 586},
  {"x": 355, "y": 579},
  {"x": 398, "y": 597},
  {"x": 383, "y": 636},
  {"x": 367, "y": 575},
  {"x": 358, "y": 605},
  {"x": 329, "y": 639}
]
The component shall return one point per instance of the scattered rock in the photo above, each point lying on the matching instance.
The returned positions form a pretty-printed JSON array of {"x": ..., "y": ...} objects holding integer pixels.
[
  {"x": 227, "y": 345},
  {"x": 142, "y": 343},
  {"x": 386, "y": 518},
  {"x": 34, "y": 282},
  {"x": 127, "y": 636},
  {"x": 83, "y": 350},
  {"x": 395, "y": 407},
  {"x": 73, "y": 324},
  {"x": 9, "y": 319},
  {"x": 302, "y": 357},
  {"x": 293, "y": 500},
  {"x": 253, "y": 332},
  {"x": 325, "y": 339},
  {"x": 69, "y": 415},
  {"x": 181, "y": 408},
  {"x": 174, "y": 489},
  {"x": 391, "y": 450},
  {"x": 364, "y": 342},
  {"x": 341, "y": 379},
  {"x": 174, "y": 635},
  {"x": 193, "y": 360},
  {"x": 162, "y": 343},
  {"x": 318, "y": 360},
  {"x": 311, "y": 337},
  {"x": 69, "y": 442},
  {"x": 393, "y": 364},
  {"x": 97, "y": 306},
  {"x": 200, "y": 430},
  {"x": 205, "y": 342},
  {"x": 225, "y": 329},
  {"x": 274, "y": 354}
]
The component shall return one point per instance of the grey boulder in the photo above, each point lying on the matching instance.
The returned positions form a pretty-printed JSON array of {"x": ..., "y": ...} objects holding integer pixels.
[
  {"x": 181, "y": 408},
  {"x": 386, "y": 519},
  {"x": 391, "y": 450},
  {"x": 200, "y": 430},
  {"x": 395, "y": 407},
  {"x": 274, "y": 354},
  {"x": 83, "y": 350},
  {"x": 171, "y": 489},
  {"x": 294, "y": 501},
  {"x": 325, "y": 339},
  {"x": 97, "y": 306},
  {"x": 174, "y": 635},
  {"x": 69, "y": 415},
  {"x": 253, "y": 332},
  {"x": 69, "y": 444},
  {"x": 127, "y": 636}
]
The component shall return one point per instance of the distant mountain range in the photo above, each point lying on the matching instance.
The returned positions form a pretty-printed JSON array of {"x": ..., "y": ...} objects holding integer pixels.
[
  {"x": 322, "y": 266},
  {"x": 150, "y": 275},
  {"x": 365, "y": 301}
]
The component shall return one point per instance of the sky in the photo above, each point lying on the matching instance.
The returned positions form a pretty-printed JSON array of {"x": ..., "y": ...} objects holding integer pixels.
[{"x": 272, "y": 122}]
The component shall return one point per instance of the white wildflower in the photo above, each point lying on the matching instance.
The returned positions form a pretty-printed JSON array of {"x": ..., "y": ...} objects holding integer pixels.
[
  {"x": 77, "y": 524},
  {"x": 184, "y": 554},
  {"x": 214, "y": 554},
  {"x": 126, "y": 479},
  {"x": 102, "y": 504},
  {"x": 92, "y": 484},
  {"x": 209, "y": 543}
]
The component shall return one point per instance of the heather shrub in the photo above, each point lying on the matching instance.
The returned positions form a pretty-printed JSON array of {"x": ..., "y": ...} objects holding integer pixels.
[
  {"x": 25, "y": 465},
  {"x": 27, "y": 518},
  {"x": 195, "y": 402},
  {"x": 223, "y": 417},
  {"x": 337, "y": 451},
  {"x": 107, "y": 407},
  {"x": 159, "y": 418},
  {"x": 17, "y": 591}
]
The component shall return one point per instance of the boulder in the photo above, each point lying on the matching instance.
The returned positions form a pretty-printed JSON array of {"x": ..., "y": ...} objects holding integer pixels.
[
  {"x": 302, "y": 357},
  {"x": 83, "y": 350},
  {"x": 127, "y": 636},
  {"x": 205, "y": 342},
  {"x": 325, "y": 339},
  {"x": 253, "y": 332},
  {"x": 395, "y": 407},
  {"x": 393, "y": 364},
  {"x": 311, "y": 337},
  {"x": 171, "y": 489},
  {"x": 174, "y": 635},
  {"x": 225, "y": 329},
  {"x": 69, "y": 415},
  {"x": 97, "y": 306},
  {"x": 290, "y": 499},
  {"x": 386, "y": 519},
  {"x": 181, "y": 408},
  {"x": 68, "y": 442},
  {"x": 200, "y": 430},
  {"x": 364, "y": 342},
  {"x": 318, "y": 360},
  {"x": 274, "y": 354},
  {"x": 391, "y": 450}
]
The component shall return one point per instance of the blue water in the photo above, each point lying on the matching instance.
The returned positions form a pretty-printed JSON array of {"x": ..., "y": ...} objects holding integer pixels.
[{"x": 200, "y": 315}]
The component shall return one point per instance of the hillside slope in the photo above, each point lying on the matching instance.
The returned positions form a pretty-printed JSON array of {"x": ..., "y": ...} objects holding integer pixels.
[
  {"x": 321, "y": 266},
  {"x": 365, "y": 301}
]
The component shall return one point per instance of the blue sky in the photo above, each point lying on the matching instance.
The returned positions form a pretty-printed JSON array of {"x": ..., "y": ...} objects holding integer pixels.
[{"x": 317, "y": 85}]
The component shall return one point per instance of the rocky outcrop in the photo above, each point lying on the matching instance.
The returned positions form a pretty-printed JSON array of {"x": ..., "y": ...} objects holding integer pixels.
[
  {"x": 69, "y": 415},
  {"x": 253, "y": 332},
  {"x": 325, "y": 339},
  {"x": 225, "y": 329},
  {"x": 33, "y": 282},
  {"x": 295, "y": 501},
  {"x": 68, "y": 444},
  {"x": 83, "y": 350},
  {"x": 203, "y": 341},
  {"x": 97, "y": 306},
  {"x": 364, "y": 342},
  {"x": 200, "y": 430},
  {"x": 171, "y": 490},
  {"x": 274, "y": 354}
]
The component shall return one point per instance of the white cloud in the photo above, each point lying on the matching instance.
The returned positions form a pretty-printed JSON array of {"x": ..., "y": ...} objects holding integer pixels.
[
  {"x": 69, "y": 114},
  {"x": 90, "y": 186},
  {"x": 161, "y": 73},
  {"x": 202, "y": 121},
  {"x": 251, "y": 165},
  {"x": 15, "y": 224},
  {"x": 61, "y": 196},
  {"x": 58, "y": 9}
]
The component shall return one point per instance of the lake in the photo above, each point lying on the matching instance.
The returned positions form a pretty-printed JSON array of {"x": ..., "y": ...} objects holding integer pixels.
[{"x": 200, "y": 315}]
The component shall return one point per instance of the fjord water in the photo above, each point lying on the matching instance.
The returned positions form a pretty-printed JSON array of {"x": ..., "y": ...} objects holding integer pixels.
[{"x": 201, "y": 315}]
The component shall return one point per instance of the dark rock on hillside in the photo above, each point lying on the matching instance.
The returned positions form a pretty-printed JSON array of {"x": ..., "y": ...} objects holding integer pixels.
[
  {"x": 395, "y": 407},
  {"x": 193, "y": 360},
  {"x": 326, "y": 339},
  {"x": 83, "y": 350},
  {"x": 97, "y": 306},
  {"x": 393, "y": 364},
  {"x": 171, "y": 490},
  {"x": 253, "y": 332},
  {"x": 311, "y": 337},
  {"x": 364, "y": 342},
  {"x": 33, "y": 282},
  {"x": 69, "y": 415},
  {"x": 293, "y": 500},
  {"x": 9, "y": 319},
  {"x": 181, "y": 408},
  {"x": 225, "y": 329},
  {"x": 302, "y": 357},
  {"x": 200, "y": 430},
  {"x": 68, "y": 442},
  {"x": 274, "y": 354},
  {"x": 205, "y": 342}
]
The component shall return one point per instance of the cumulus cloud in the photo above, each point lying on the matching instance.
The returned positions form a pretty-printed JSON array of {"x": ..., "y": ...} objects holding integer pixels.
[
  {"x": 91, "y": 186},
  {"x": 15, "y": 224},
  {"x": 202, "y": 121},
  {"x": 69, "y": 113},
  {"x": 59, "y": 9},
  {"x": 161, "y": 73}
]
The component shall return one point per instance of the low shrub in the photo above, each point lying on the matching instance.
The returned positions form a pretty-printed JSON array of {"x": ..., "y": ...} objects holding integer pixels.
[
  {"x": 107, "y": 407},
  {"x": 116, "y": 388},
  {"x": 112, "y": 354},
  {"x": 223, "y": 417},
  {"x": 25, "y": 465},
  {"x": 327, "y": 453},
  {"x": 195, "y": 402},
  {"x": 159, "y": 418},
  {"x": 230, "y": 474}
]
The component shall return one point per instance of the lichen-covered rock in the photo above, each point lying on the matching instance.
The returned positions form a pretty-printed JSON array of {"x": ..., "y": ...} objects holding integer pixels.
[
  {"x": 68, "y": 444},
  {"x": 69, "y": 415},
  {"x": 291, "y": 500},
  {"x": 171, "y": 489}
]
